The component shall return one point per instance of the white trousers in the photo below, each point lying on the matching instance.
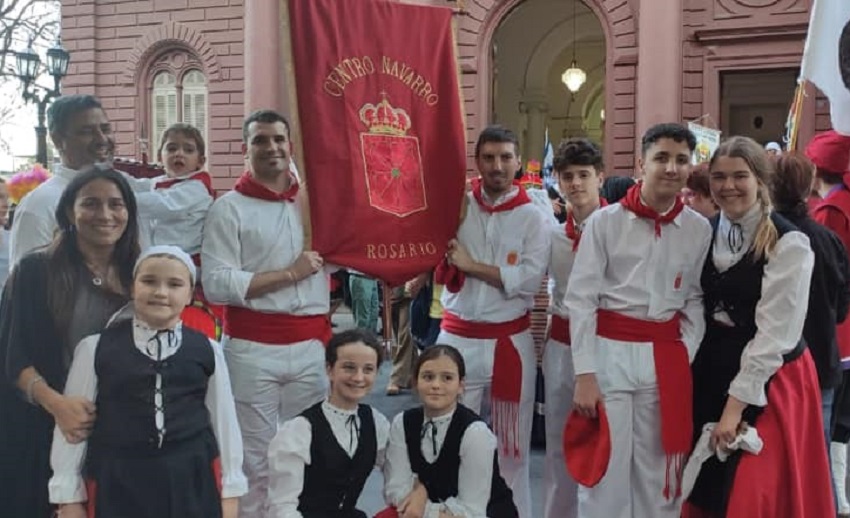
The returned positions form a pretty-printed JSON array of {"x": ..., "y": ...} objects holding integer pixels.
[
  {"x": 838, "y": 456},
  {"x": 560, "y": 491},
  {"x": 634, "y": 483},
  {"x": 271, "y": 384},
  {"x": 478, "y": 355}
]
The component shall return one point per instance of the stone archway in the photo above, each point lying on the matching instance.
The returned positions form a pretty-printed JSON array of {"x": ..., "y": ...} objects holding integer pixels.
[{"x": 617, "y": 18}]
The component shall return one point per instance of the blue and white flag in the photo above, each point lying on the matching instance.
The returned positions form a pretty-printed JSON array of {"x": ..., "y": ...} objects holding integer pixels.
[{"x": 546, "y": 169}]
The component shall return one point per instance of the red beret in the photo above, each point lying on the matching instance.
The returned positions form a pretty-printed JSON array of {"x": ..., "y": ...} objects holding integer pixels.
[
  {"x": 587, "y": 446},
  {"x": 830, "y": 151}
]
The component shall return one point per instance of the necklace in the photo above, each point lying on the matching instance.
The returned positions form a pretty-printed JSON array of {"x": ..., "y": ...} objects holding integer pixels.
[{"x": 97, "y": 278}]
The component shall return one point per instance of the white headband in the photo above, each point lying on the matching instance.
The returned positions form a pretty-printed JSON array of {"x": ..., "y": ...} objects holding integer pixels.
[{"x": 171, "y": 251}]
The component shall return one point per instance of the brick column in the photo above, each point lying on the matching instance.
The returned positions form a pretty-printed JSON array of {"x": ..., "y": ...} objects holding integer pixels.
[
  {"x": 659, "y": 70},
  {"x": 264, "y": 82}
]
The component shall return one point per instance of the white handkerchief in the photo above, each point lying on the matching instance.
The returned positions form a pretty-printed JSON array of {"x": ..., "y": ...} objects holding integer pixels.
[{"x": 748, "y": 441}]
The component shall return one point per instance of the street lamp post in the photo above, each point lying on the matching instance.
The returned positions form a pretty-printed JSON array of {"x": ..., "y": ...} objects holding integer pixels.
[{"x": 28, "y": 67}]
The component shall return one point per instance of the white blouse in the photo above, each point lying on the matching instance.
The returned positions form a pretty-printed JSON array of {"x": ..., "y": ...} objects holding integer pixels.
[
  {"x": 289, "y": 453},
  {"x": 67, "y": 484},
  {"x": 781, "y": 311},
  {"x": 475, "y": 475}
]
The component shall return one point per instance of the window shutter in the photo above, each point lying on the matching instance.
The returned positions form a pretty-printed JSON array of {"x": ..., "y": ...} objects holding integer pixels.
[
  {"x": 159, "y": 118},
  {"x": 164, "y": 105},
  {"x": 195, "y": 101}
]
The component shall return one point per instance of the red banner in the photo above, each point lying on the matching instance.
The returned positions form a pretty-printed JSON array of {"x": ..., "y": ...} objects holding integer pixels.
[{"x": 382, "y": 132}]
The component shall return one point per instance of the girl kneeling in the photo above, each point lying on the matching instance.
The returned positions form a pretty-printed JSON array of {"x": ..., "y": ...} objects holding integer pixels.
[
  {"x": 441, "y": 459},
  {"x": 320, "y": 460}
]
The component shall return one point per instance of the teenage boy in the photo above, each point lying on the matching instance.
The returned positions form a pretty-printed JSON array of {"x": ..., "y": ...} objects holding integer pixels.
[
  {"x": 578, "y": 164},
  {"x": 636, "y": 321}
]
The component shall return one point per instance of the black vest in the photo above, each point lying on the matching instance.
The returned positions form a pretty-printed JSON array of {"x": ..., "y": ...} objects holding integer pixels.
[
  {"x": 736, "y": 291},
  {"x": 126, "y": 387},
  {"x": 333, "y": 481},
  {"x": 441, "y": 477}
]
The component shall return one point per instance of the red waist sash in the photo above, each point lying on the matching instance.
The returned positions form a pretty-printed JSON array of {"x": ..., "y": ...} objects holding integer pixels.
[
  {"x": 506, "y": 388},
  {"x": 560, "y": 330},
  {"x": 484, "y": 330},
  {"x": 673, "y": 372},
  {"x": 275, "y": 328}
]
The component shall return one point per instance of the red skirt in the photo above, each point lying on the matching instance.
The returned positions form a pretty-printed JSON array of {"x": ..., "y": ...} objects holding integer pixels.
[{"x": 790, "y": 478}]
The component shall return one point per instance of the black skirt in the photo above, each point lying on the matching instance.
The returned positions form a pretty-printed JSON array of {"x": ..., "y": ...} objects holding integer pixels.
[{"x": 179, "y": 480}]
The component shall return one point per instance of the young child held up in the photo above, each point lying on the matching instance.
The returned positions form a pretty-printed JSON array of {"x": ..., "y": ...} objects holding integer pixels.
[{"x": 185, "y": 192}]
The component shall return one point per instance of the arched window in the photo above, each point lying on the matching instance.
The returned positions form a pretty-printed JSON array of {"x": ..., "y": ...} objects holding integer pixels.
[{"x": 178, "y": 93}]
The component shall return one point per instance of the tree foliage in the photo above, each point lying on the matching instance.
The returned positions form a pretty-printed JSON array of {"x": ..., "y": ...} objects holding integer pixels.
[{"x": 23, "y": 22}]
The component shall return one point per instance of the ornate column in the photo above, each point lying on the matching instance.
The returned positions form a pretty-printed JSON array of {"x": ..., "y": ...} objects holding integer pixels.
[
  {"x": 536, "y": 110},
  {"x": 659, "y": 70}
]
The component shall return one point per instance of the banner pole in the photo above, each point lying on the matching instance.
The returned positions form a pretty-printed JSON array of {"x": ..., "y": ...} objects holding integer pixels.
[
  {"x": 455, "y": 29},
  {"x": 794, "y": 116},
  {"x": 387, "y": 318},
  {"x": 295, "y": 123}
]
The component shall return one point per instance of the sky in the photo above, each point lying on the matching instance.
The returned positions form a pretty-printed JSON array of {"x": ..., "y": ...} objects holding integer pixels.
[{"x": 19, "y": 132}]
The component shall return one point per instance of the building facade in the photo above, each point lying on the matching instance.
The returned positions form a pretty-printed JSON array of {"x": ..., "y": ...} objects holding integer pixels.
[{"x": 731, "y": 64}]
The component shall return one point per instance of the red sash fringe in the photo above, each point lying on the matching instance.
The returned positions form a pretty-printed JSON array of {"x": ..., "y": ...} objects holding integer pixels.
[
  {"x": 675, "y": 387},
  {"x": 506, "y": 388}
]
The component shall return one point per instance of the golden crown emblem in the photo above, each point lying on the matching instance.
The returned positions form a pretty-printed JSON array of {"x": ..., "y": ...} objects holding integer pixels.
[{"x": 383, "y": 119}]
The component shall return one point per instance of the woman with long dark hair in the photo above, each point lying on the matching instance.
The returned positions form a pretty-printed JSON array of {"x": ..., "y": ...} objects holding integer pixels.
[{"x": 54, "y": 297}]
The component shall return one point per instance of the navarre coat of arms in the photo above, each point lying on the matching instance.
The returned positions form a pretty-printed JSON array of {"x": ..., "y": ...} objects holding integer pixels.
[{"x": 392, "y": 160}]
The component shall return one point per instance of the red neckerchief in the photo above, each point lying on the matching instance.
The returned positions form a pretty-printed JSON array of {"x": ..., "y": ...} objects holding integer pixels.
[
  {"x": 201, "y": 176},
  {"x": 631, "y": 201},
  {"x": 247, "y": 185},
  {"x": 520, "y": 199},
  {"x": 574, "y": 234}
]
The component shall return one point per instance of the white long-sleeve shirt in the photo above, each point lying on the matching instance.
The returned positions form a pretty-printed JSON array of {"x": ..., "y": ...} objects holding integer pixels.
[
  {"x": 517, "y": 242},
  {"x": 781, "y": 311},
  {"x": 561, "y": 260},
  {"x": 35, "y": 221},
  {"x": 621, "y": 266},
  {"x": 67, "y": 484},
  {"x": 289, "y": 453},
  {"x": 244, "y": 236},
  {"x": 175, "y": 215},
  {"x": 475, "y": 475}
]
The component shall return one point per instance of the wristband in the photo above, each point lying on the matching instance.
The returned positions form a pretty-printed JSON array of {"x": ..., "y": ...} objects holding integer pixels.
[{"x": 30, "y": 387}]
